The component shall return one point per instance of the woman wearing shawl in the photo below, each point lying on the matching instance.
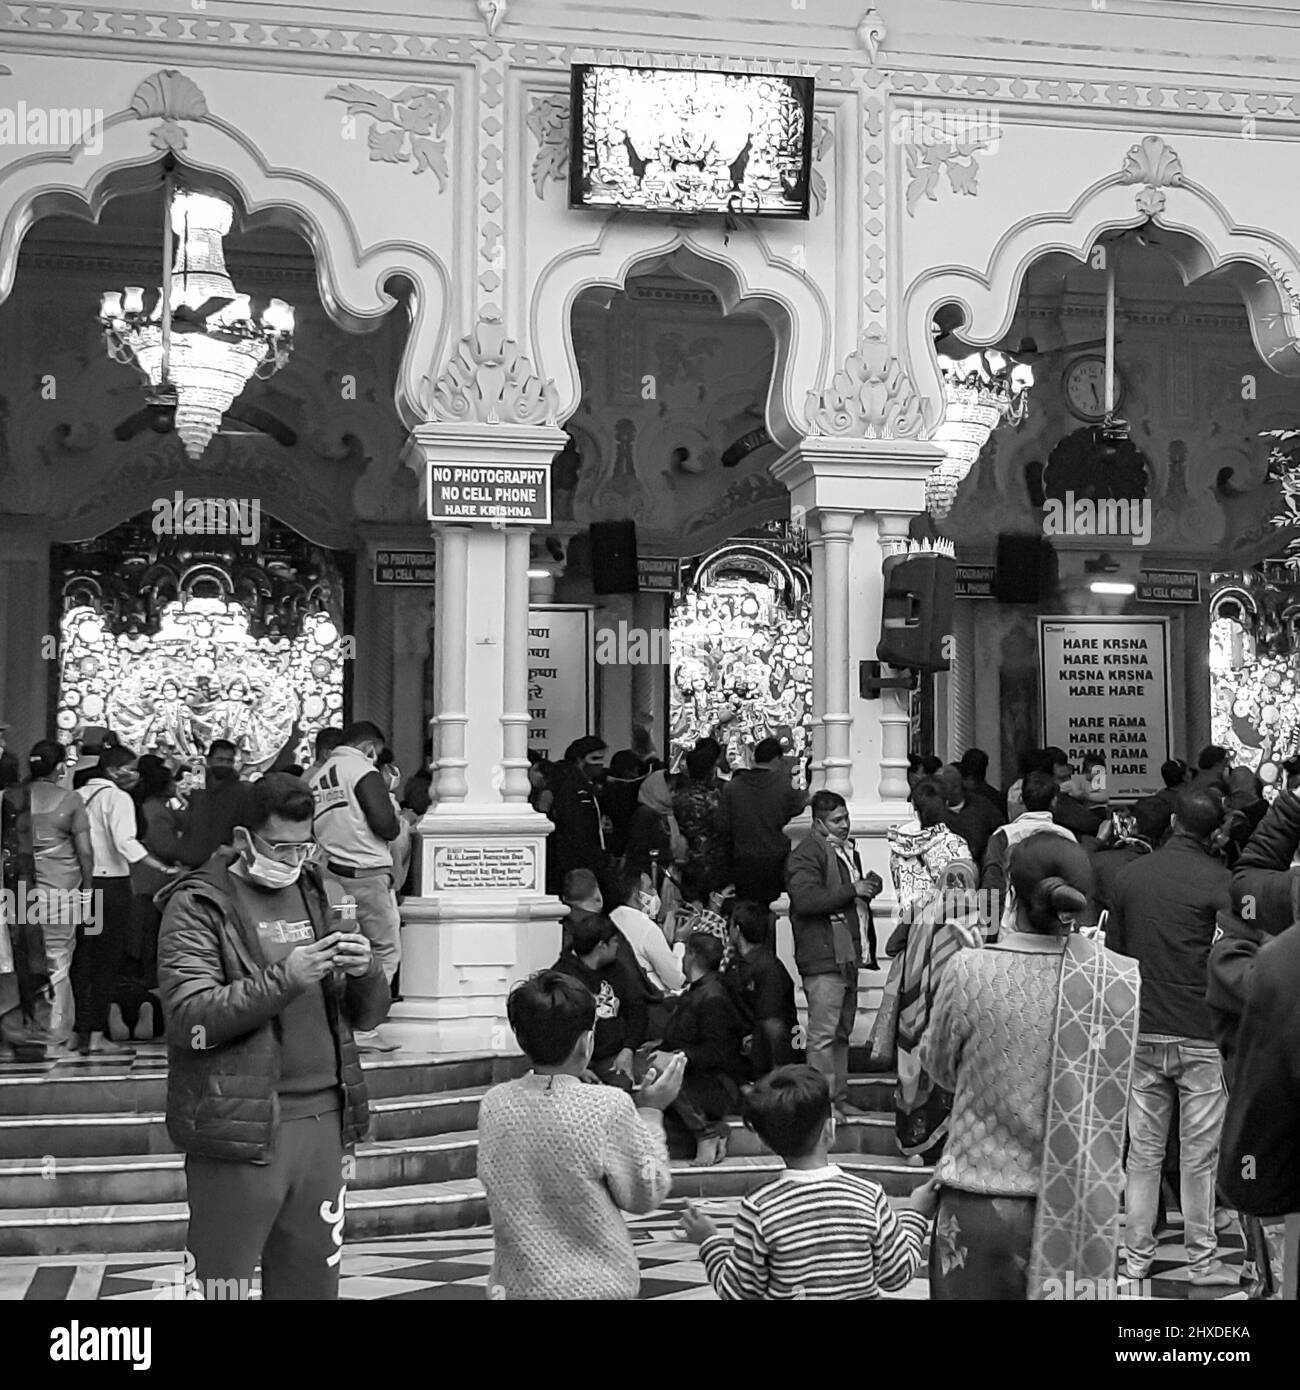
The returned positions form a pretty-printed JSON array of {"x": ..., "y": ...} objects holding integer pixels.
[
  {"x": 929, "y": 864},
  {"x": 1036, "y": 1036}
]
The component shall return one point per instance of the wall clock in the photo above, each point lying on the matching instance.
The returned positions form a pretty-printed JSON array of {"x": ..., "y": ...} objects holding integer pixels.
[{"x": 1084, "y": 384}]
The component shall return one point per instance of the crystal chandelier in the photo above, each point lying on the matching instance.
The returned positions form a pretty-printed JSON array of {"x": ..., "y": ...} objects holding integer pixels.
[
  {"x": 981, "y": 391},
  {"x": 197, "y": 340}
]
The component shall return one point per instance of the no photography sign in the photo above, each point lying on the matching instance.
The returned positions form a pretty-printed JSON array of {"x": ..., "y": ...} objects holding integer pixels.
[{"x": 497, "y": 493}]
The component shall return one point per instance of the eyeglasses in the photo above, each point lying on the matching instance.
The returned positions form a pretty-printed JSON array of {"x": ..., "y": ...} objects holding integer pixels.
[{"x": 295, "y": 852}]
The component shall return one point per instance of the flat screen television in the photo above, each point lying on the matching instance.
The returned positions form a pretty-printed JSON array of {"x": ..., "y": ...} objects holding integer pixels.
[{"x": 674, "y": 140}]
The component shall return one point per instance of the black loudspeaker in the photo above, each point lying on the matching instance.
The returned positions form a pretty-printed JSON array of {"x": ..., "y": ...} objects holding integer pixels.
[
  {"x": 916, "y": 616},
  {"x": 613, "y": 557},
  {"x": 1026, "y": 570}
]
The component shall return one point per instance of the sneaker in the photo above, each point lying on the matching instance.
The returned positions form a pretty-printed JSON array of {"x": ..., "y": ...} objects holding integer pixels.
[
  {"x": 1224, "y": 1219},
  {"x": 1214, "y": 1273},
  {"x": 370, "y": 1041}
]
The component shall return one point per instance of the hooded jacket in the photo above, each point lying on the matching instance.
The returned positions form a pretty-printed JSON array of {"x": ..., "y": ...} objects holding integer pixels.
[
  {"x": 222, "y": 1004},
  {"x": 1262, "y": 881}
]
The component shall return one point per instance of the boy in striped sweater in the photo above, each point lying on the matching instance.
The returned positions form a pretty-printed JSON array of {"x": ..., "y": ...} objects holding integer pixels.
[{"x": 816, "y": 1232}]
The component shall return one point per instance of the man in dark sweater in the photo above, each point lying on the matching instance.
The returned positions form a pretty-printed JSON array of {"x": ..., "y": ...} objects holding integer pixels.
[
  {"x": 974, "y": 767},
  {"x": 763, "y": 989},
  {"x": 209, "y": 821},
  {"x": 1149, "y": 823},
  {"x": 974, "y": 818},
  {"x": 620, "y": 1003},
  {"x": 1163, "y": 915},
  {"x": 758, "y": 803},
  {"x": 708, "y": 1028}
]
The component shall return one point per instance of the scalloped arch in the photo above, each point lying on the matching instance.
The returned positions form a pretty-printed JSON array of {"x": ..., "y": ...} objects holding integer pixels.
[
  {"x": 793, "y": 305},
  {"x": 1207, "y": 240},
  {"x": 351, "y": 278}
]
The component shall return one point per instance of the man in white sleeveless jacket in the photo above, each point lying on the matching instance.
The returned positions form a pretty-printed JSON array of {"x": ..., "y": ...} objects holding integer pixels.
[
  {"x": 355, "y": 825},
  {"x": 1039, "y": 794}
]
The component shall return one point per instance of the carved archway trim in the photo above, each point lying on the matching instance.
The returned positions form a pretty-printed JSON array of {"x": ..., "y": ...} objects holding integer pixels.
[
  {"x": 741, "y": 268},
  {"x": 1263, "y": 266},
  {"x": 350, "y": 278}
]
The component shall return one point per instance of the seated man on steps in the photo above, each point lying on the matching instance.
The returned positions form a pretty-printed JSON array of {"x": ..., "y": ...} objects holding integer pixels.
[
  {"x": 708, "y": 1028},
  {"x": 762, "y": 987},
  {"x": 592, "y": 958}
]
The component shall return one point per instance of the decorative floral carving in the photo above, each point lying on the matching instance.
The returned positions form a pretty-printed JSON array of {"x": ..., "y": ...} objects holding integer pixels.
[
  {"x": 871, "y": 34},
  {"x": 926, "y": 162},
  {"x": 871, "y": 397},
  {"x": 1154, "y": 165},
  {"x": 489, "y": 381},
  {"x": 823, "y": 139},
  {"x": 414, "y": 115},
  {"x": 169, "y": 94},
  {"x": 174, "y": 97},
  {"x": 493, "y": 12},
  {"x": 548, "y": 119}
]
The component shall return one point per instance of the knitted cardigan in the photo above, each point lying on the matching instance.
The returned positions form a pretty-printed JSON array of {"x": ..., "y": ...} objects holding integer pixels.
[{"x": 561, "y": 1161}]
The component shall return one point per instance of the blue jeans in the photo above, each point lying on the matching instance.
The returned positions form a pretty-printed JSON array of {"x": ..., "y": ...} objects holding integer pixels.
[
  {"x": 1194, "y": 1072},
  {"x": 832, "y": 1009}
]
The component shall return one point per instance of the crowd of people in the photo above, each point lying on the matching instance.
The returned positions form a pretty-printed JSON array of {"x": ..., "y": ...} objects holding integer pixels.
[
  {"x": 1078, "y": 1036},
  {"x": 89, "y": 842},
  {"x": 1090, "y": 1009}
]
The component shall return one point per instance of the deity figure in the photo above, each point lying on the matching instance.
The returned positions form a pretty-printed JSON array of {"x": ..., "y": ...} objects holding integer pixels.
[
  {"x": 232, "y": 717},
  {"x": 170, "y": 729}
]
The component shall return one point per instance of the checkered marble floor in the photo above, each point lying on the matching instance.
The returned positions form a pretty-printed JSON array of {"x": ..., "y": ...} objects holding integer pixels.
[{"x": 455, "y": 1265}]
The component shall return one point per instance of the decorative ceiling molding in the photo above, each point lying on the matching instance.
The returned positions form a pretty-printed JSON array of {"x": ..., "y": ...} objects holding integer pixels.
[
  {"x": 412, "y": 116},
  {"x": 493, "y": 12},
  {"x": 1156, "y": 167},
  {"x": 871, "y": 397},
  {"x": 489, "y": 381},
  {"x": 174, "y": 97},
  {"x": 871, "y": 34}
]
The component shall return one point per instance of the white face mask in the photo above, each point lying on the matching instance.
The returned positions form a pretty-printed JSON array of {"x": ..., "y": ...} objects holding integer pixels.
[
  {"x": 265, "y": 871},
  {"x": 650, "y": 903}
]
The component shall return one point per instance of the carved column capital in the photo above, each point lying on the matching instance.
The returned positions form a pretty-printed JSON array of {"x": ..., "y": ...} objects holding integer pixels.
[
  {"x": 490, "y": 381},
  {"x": 870, "y": 397}
]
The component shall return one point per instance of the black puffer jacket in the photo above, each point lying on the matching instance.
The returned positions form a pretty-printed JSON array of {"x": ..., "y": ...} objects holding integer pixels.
[
  {"x": 1262, "y": 881},
  {"x": 222, "y": 1004}
]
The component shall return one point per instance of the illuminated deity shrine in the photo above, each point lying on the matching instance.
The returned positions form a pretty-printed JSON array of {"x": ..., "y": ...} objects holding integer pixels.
[
  {"x": 741, "y": 653},
  {"x": 171, "y": 645}
]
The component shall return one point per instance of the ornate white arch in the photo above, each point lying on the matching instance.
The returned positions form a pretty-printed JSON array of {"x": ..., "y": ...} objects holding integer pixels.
[
  {"x": 737, "y": 267},
  {"x": 351, "y": 277},
  {"x": 1151, "y": 186}
]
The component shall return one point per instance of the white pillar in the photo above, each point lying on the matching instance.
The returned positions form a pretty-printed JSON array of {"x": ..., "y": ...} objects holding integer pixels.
[
  {"x": 482, "y": 920},
  {"x": 891, "y": 537},
  {"x": 817, "y": 549},
  {"x": 836, "y": 528}
]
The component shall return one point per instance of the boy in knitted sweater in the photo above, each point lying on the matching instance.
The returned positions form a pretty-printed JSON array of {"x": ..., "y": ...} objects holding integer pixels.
[
  {"x": 816, "y": 1232},
  {"x": 562, "y": 1159}
]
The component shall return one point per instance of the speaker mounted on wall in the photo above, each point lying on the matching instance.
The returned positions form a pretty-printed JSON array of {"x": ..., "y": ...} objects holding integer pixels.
[
  {"x": 613, "y": 557},
  {"x": 1026, "y": 569}
]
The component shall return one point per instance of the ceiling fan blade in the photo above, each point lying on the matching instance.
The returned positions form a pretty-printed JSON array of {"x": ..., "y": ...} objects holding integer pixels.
[
  {"x": 133, "y": 425},
  {"x": 259, "y": 422},
  {"x": 205, "y": 310}
]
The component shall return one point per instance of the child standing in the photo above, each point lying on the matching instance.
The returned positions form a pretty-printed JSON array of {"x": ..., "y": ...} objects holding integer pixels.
[
  {"x": 562, "y": 1160},
  {"x": 816, "y": 1232}
]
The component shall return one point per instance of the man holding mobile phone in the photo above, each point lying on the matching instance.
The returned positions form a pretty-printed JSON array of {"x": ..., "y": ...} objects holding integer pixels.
[{"x": 261, "y": 992}]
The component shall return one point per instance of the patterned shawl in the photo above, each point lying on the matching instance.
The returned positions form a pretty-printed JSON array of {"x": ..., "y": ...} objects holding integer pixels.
[{"x": 1076, "y": 1225}]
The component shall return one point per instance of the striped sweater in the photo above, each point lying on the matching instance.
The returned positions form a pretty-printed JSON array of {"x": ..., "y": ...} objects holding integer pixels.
[{"x": 816, "y": 1234}]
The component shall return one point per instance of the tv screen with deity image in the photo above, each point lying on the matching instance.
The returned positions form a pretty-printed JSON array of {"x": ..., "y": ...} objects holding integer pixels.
[{"x": 677, "y": 140}]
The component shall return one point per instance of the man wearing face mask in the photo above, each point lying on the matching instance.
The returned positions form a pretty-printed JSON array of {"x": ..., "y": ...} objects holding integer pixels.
[
  {"x": 101, "y": 937},
  {"x": 265, "y": 1092},
  {"x": 356, "y": 824},
  {"x": 209, "y": 821},
  {"x": 826, "y": 887}
]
